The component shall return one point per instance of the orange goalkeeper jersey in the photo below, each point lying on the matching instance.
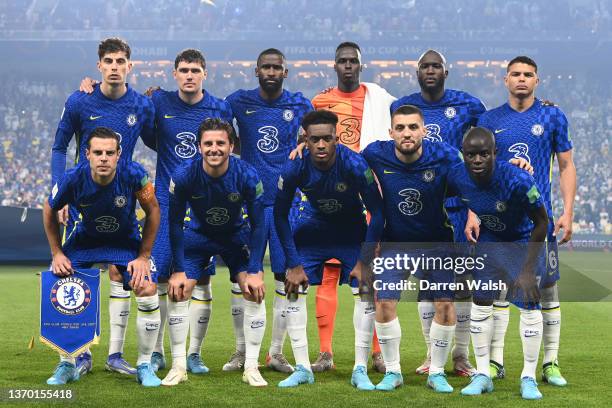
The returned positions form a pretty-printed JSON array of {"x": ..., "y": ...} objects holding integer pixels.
[{"x": 349, "y": 108}]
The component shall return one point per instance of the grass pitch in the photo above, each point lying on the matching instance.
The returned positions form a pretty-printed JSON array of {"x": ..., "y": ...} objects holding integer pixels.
[{"x": 584, "y": 356}]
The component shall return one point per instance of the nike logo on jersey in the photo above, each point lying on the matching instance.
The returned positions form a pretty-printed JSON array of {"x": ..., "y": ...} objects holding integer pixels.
[
  {"x": 197, "y": 197},
  {"x": 85, "y": 205},
  {"x": 465, "y": 200},
  {"x": 168, "y": 116},
  {"x": 388, "y": 172},
  {"x": 332, "y": 106},
  {"x": 92, "y": 117},
  {"x": 248, "y": 112},
  {"x": 499, "y": 130}
]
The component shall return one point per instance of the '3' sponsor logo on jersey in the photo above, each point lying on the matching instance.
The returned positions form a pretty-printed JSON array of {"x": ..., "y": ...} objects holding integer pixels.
[
  {"x": 186, "y": 148},
  {"x": 433, "y": 132},
  {"x": 269, "y": 141},
  {"x": 411, "y": 205}
]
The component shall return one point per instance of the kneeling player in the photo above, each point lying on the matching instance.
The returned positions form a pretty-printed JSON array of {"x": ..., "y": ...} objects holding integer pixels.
[
  {"x": 217, "y": 186},
  {"x": 337, "y": 184},
  {"x": 513, "y": 215},
  {"x": 105, "y": 194}
]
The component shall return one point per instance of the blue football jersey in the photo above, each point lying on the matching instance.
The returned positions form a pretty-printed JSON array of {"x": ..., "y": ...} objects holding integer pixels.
[
  {"x": 448, "y": 119},
  {"x": 130, "y": 116},
  {"x": 268, "y": 131},
  {"x": 534, "y": 135},
  {"x": 107, "y": 212},
  {"x": 217, "y": 206},
  {"x": 414, "y": 193},
  {"x": 503, "y": 204},
  {"x": 335, "y": 199},
  {"x": 216, "y": 203},
  {"x": 176, "y": 127}
]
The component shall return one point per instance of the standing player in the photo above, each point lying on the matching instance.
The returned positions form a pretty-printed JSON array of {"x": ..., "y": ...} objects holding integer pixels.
[
  {"x": 362, "y": 109},
  {"x": 115, "y": 105},
  {"x": 105, "y": 191},
  {"x": 217, "y": 187},
  {"x": 448, "y": 114},
  {"x": 412, "y": 174},
  {"x": 338, "y": 183},
  {"x": 178, "y": 116},
  {"x": 513, "y": 215},
  {"x": 268, "y": 119},
  {"x": 527, "y": 128}
]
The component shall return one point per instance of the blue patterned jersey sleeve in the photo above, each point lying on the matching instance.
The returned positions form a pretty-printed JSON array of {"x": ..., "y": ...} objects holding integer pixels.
[
  {"x": 68, "y": 125},
  {"x": 176, "y": 216},
  {"x": 287, "y": 184},
  {"x": 62, "y": 192},
  {"x": 255, "y": 208}
]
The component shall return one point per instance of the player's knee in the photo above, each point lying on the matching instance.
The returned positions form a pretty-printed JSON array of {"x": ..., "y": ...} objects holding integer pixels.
[
  {"x": 386, "y": 311},
  {"x": 149, "y": 289},
  {"x": 204, "y": 280},
  {"x": 445, "y": 312},
  {"x": 550, "y": 294},
  {"x": 114, "y": 274},
  {"x": 279, "y": 277}
]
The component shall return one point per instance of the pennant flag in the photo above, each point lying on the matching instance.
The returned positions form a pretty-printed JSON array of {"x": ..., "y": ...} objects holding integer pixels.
[{"x": 70, "y": 311}]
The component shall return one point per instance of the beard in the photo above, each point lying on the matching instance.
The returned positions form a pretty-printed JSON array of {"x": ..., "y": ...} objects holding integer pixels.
[
  {"x": 271, "y": 87},
  {"x": 409, "y": 150}
]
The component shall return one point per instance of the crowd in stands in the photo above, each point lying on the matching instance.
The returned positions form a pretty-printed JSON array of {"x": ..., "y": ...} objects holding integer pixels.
[
  {"x": 31, "y": 111},
  {"x": 310, "y": 19}
]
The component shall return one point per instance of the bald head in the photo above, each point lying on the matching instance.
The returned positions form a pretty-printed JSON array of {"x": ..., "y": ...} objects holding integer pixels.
[
  {"x": 479, "y": 154},
  {"x": 480, "y": 136}
]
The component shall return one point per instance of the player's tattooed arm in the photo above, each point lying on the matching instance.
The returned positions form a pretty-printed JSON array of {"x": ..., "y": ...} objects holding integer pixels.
[
  {"x": 88, "y": 84},
  {"x": 150, "y": 90},
  {"x": 140, "y": 267},
  {"x": 527, "y": 278},
  {"x": 567, "y": 179},
  {"x": 60, "y": 265}
]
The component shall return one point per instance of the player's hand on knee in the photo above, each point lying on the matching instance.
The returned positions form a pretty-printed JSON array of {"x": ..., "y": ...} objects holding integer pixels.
[
  {"x": 254, "y": 286},
  {"x": 522, "y": 164},
  {"x": 528, "y": 283},
  {"x": 297, "y": 152},
  {"x": 62, "y": 215},
  {"x": 87, "y": 85},
  {"x": 564, "y": 222},
  {"x": 472, "y": 227},
  {"x": 295, "y": 278},
  {"x": 140, "y": 271},
  {"x": 176, "y": 286},
  {"x": 61, "y": 265}
]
